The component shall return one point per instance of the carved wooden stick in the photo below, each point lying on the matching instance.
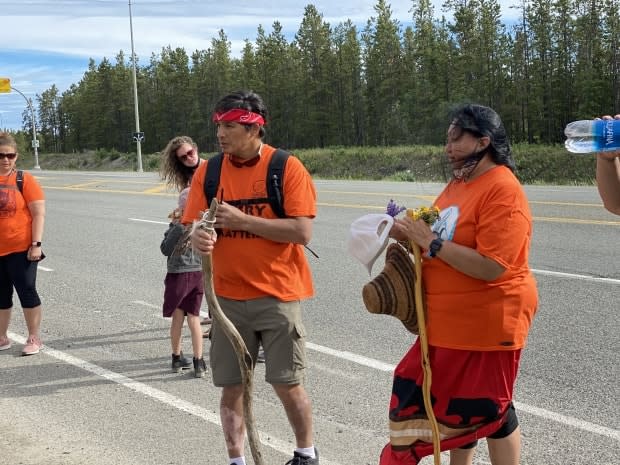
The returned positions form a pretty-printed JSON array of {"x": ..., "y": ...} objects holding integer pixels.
[
  {"x": 426, "y": 366},
  {"x": 246, "y": 364}
]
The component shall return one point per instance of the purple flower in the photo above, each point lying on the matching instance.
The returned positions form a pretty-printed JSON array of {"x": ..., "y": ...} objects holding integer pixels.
[{"x": 393, "y": 209}]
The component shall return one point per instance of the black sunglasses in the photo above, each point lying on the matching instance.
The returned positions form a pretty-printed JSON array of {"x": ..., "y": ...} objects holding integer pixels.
[
  {"x": 190, "y": 153},
  {"x": 10, "y": 156}
]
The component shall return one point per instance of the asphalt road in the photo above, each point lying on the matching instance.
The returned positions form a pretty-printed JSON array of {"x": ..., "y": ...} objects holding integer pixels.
[{"x": 102, "y": 392}]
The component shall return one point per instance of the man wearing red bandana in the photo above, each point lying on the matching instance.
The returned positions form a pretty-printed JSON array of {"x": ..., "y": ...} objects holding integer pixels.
[{"x": 260, "y": 270}]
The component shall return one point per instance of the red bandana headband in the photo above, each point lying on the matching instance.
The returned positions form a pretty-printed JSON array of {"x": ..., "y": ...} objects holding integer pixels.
[{"x": 239, "y": 115}]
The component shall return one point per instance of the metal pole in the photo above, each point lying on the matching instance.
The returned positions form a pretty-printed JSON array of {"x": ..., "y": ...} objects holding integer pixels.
[
  {"x": 135, "y": 95},
  {"x": 35, "y": 142}
]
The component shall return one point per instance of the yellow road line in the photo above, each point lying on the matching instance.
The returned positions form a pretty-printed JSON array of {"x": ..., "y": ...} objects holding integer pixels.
[
  {"x": 112, "y": 191},
  {"x": 575, "y": 221},
  {"x": 381, "y": 194},
  {"x": 156, "y": 189},
  {"x": 157, "y": 192},
  {"x": 121, "y": 181},
  {"x": 85, "y": 184},
  {"x": 535, "y": 218},
  {"x": 566, "y": 204},
  {"x": 433, "y": 197}
]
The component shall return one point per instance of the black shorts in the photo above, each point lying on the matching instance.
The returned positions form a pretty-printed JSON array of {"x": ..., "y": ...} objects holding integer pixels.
[{"x": 18, "y": 272}]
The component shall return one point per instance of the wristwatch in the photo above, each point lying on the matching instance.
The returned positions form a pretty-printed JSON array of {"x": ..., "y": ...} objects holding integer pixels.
[
  {"x": 36, "y": 244},
  {"x": 435, "y": 246}
]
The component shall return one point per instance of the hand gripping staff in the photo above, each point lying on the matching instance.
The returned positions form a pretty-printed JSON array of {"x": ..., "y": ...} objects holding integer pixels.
[{"x": 243, "y": 356}]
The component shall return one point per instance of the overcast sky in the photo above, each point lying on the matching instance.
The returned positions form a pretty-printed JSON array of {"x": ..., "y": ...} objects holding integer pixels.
[{"x": 47, "y": 42}]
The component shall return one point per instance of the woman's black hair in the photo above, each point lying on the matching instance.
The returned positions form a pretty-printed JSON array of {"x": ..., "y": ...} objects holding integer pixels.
[
  {"x": 484, "y": 121},
  {"x": 246, "y": 100}
]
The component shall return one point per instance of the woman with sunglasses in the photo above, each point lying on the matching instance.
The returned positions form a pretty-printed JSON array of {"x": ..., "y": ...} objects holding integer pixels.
[
  {"x": 22, "y": 216},
  {"x": 184, "y": 289},
  {"x": 179, "y": 160}
]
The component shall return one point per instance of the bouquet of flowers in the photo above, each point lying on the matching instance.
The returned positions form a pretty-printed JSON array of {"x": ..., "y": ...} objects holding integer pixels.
[{"x": 428, "y": 214}]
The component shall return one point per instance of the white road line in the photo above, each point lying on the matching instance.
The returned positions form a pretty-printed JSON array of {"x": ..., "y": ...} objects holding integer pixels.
[
  {"x": 158, "y": 307},
  {"x": 43, "y": 268},
  {"x": 146, "y": 304},
  {"x": 351, "y": 357},
  {"x": 536, "y": 411},
  {"x": 386, "y": 367},
  {"x": 267, "y": 439},
  {"x": 148, "y": 221},
  {"x": 584, "y": 277},
  {"x": 558, "y": 274},
  {"x": 570, "y": 421}
]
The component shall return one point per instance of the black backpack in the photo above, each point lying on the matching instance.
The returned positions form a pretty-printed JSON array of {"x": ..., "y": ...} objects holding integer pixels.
[
  {"x": 19, "y": 179},
  {"x": 274, "y": 181}
]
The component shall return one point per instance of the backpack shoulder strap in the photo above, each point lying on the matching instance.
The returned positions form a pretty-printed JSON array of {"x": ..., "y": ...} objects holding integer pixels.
[
  {"x": 275, "y": 176},
  {"x": 19, "y": 179},
  {"x": 212, "y": 176}
]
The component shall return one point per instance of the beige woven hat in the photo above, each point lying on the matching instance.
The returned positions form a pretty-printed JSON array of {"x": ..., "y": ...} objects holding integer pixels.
[{"x": 391, "y": 292}]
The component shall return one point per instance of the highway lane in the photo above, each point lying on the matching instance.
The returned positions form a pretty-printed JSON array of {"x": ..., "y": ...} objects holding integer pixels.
[{"x": 102, "y": 392}]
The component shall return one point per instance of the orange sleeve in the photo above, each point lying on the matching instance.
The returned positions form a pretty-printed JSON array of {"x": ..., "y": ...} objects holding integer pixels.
[
  {"x": 32, "y": 189},
  {"x": 504, "y": 228},
  {"x": 299, "y": 191}
]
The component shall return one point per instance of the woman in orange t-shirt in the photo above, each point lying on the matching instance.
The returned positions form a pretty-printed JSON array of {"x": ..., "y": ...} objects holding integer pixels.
[
  {"x": 480, "y": 298},
  {"x": 21, "y": 230}
]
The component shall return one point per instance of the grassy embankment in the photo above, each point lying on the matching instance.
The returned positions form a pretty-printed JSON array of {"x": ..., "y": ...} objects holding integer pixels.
[{"x": 536, "y": 164}]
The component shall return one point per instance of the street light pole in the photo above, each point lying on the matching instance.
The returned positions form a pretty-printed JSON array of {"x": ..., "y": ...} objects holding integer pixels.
[
  {"x": 135, "y": 96},
  {"x": 35, "y": 142}
]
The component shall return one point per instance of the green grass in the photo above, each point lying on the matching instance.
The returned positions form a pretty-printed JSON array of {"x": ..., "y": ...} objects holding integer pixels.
[{"x": 536, "y": 164}]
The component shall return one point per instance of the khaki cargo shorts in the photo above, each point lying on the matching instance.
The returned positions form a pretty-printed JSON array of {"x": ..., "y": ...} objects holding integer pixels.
[{"x": 265, "y": 321}]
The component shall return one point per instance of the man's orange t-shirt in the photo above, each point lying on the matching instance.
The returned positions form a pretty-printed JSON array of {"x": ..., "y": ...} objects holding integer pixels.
[
  {"x": 491, "y": 215},
  {"x": 246, "y": 266},
  {"x": 15, "y": 219}
]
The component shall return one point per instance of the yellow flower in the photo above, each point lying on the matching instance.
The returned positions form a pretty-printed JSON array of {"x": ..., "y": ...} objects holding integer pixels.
[{"x": 428, "y": 214}]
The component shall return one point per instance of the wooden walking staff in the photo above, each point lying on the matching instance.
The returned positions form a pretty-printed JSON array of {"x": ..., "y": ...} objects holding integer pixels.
[
  {"x": 243, "y": 356},
  {"x": 426, "y": 366}
]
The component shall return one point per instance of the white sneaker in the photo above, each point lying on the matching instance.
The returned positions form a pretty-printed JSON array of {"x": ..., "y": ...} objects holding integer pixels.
[{"x": 260, "y": 358}]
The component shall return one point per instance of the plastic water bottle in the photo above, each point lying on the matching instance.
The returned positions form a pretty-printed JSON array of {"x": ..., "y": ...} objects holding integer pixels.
[{"x": 589, "y": 136}]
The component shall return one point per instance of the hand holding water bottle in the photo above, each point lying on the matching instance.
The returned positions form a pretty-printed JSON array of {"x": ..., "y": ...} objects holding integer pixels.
[
  {"x": 611, "y": 154},
  {"x": 597, "y": 135},
  {"x": 608, "y": 171}
]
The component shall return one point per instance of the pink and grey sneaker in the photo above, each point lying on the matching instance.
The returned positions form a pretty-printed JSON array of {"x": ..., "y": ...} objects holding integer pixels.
[
  {"x": 5, "y": 343},
  {"x": 33, "y": 346}
]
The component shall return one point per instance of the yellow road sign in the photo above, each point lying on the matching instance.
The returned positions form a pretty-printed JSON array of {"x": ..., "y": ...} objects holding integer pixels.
[{"x": 5, "y": 85}]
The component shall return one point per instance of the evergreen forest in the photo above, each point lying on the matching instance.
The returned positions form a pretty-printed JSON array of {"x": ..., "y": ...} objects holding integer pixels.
[{"x": 337, "y": 85}]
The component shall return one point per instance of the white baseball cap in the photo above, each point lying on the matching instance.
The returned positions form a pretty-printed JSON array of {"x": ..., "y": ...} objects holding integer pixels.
[{"x": 368, "y": 237}]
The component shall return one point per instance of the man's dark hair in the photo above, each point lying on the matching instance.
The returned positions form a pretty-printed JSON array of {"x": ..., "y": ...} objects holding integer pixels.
[{"x": 246, "y": 100}]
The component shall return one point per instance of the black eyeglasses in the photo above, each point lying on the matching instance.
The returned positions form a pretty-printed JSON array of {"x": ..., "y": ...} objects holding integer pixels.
[{"x": 10, "y": 156}]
